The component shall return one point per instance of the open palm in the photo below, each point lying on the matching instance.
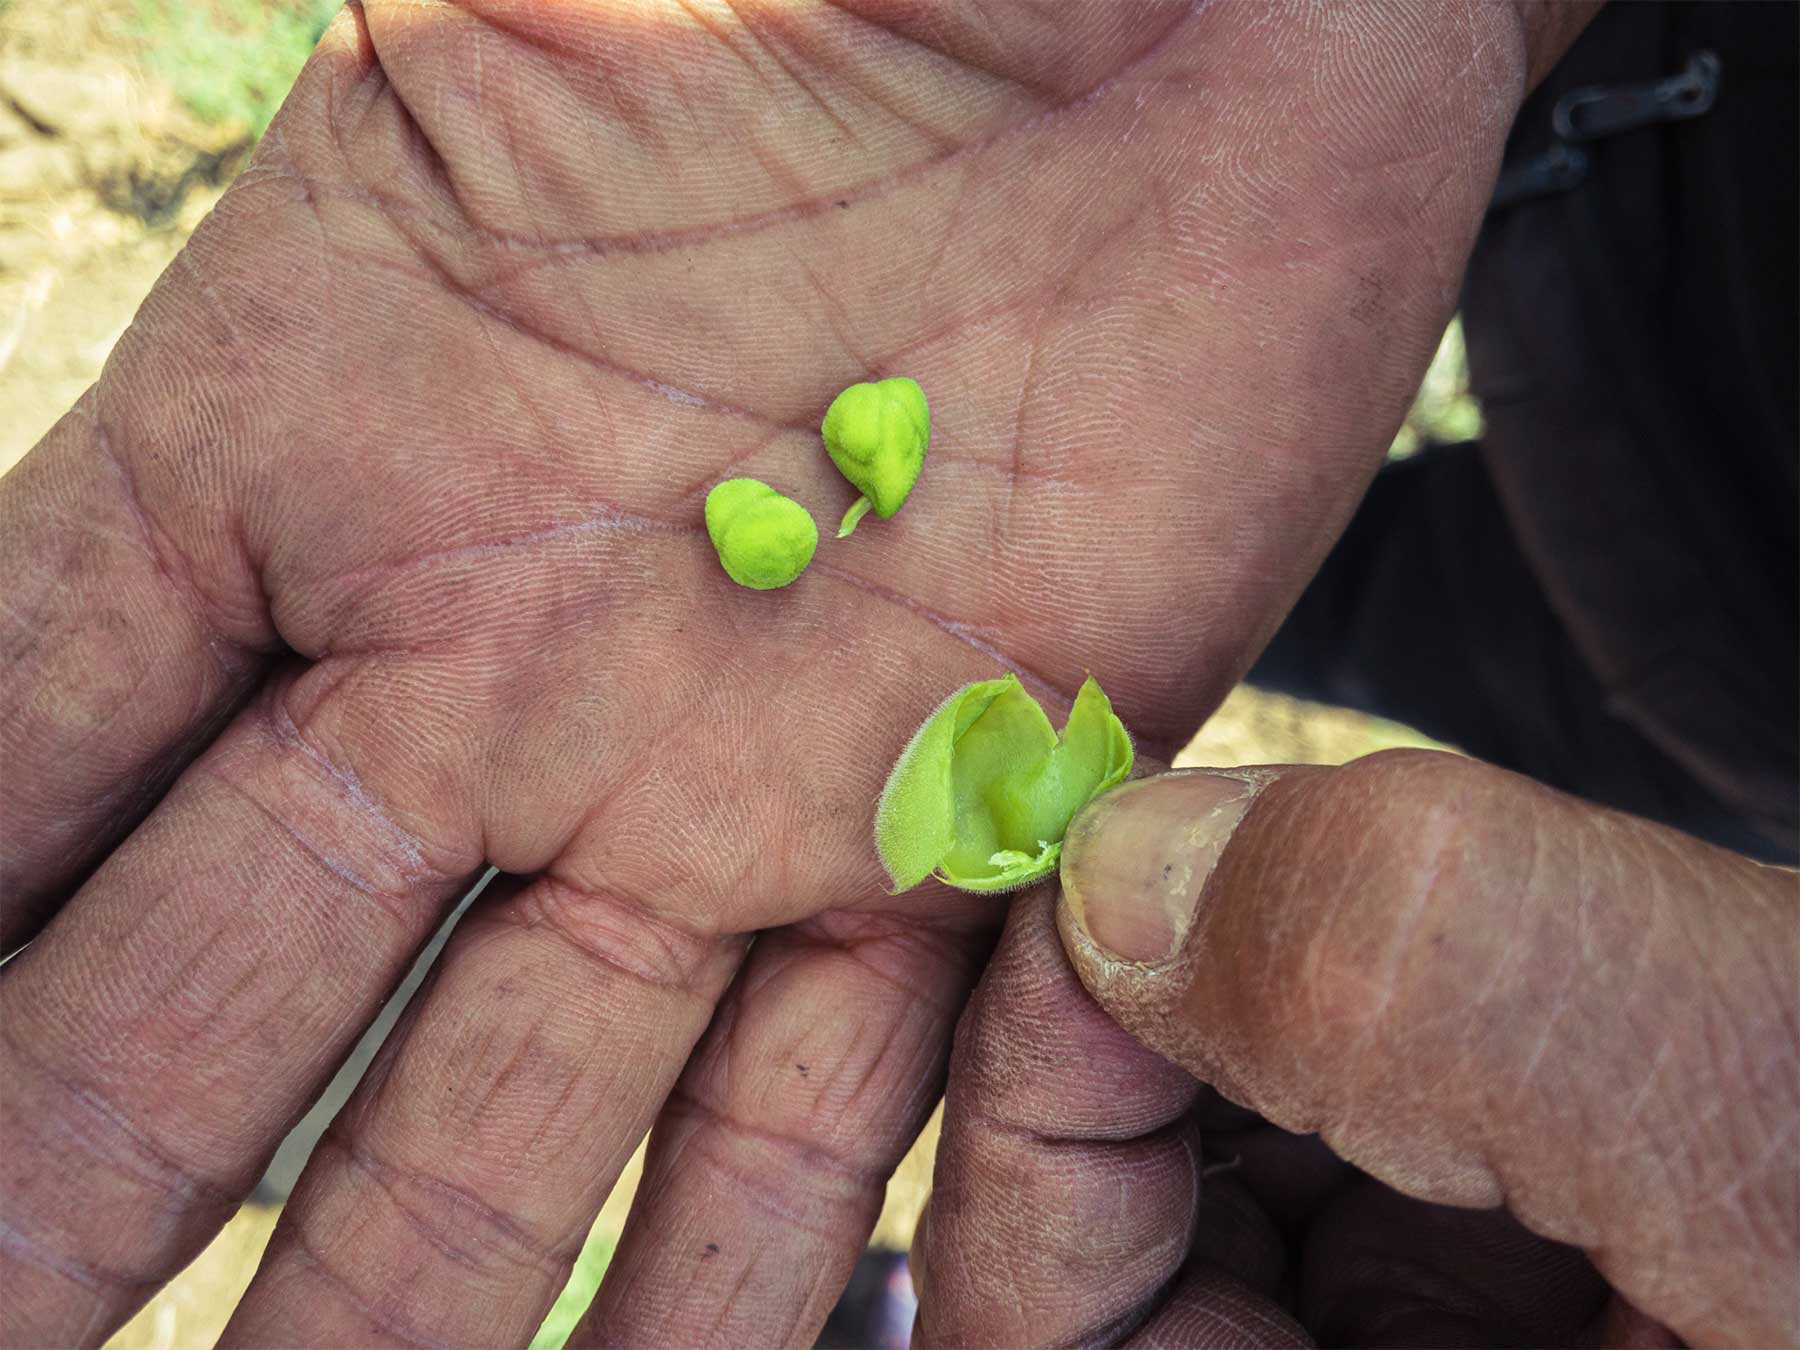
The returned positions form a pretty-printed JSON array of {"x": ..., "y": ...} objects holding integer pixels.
[{"x": 376, "y": 557}]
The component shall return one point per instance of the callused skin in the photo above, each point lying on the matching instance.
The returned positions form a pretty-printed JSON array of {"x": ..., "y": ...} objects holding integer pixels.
[
  {"x": 377, "y": 556},
  {"x": 1533, "y": 1065}
]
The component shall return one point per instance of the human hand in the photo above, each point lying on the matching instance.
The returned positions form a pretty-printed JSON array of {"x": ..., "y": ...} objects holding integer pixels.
[
  {"x": 375, "y": 557},
  {"x": 1573, "y": 1026}
]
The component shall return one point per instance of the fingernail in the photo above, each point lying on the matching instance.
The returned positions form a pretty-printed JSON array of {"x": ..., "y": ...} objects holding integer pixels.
[{"x": 1135, "y": 862}]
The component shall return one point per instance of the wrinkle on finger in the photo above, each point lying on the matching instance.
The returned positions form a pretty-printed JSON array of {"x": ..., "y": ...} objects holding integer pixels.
[
  {"x": 767, "y": 1164},
  {"x": 1212, "y": 1310},
  {"x": 1484, "y": 992},
  {"x": 1068, "y": 1179}
]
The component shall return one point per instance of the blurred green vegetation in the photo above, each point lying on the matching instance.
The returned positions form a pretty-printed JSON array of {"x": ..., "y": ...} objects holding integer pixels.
[
  {"x": 231, "y": 61},
  {"x": 584, "y": 1279},
  {"x": 1445, "y": 412}
]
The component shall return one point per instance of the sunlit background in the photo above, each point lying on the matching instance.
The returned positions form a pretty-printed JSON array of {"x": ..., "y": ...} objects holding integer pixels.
[{"x": 121, "y": 122}]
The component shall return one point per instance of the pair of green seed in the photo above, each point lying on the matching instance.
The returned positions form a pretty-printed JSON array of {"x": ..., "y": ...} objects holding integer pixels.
[{"x": 876, "y": 434}]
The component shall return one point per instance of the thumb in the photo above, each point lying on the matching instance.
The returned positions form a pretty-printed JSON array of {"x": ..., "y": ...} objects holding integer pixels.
[{"x": 1480, "y": 991}]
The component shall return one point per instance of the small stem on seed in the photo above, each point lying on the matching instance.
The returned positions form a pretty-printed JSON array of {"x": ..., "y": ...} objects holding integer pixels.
[{"x": 858, "y": 509}]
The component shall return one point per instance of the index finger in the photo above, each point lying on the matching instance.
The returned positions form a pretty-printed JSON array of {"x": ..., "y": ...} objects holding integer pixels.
[{"x": 121, "y": 650}]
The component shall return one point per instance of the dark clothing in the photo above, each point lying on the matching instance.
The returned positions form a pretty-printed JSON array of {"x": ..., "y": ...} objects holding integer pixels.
[{"x": 1605, "y": 594}]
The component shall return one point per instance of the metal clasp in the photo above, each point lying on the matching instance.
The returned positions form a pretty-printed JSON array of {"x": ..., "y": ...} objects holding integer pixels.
[
  {"x": 1559, "y": 169},
  {"x": 1606, "y": 110},
  {"x": 1599, "y": 111}
]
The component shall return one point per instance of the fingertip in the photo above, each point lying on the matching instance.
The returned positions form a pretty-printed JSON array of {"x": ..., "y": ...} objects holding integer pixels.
[{"x": 1136, "y": 861}]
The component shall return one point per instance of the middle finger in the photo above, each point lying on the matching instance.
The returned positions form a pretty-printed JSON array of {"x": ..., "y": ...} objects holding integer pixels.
[
  {"x": 450, "y": 1198},
  {"x": 767, "y": 1167}
]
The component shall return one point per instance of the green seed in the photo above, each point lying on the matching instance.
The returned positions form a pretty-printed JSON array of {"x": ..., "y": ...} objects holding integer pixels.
[
  {"x": 984, "y": 792},
  {"x": 764, "y": 539},
  {"x": 877, "y": 435}
]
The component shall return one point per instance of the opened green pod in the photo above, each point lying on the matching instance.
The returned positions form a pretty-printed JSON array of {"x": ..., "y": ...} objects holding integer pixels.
[{"x": 983, "y": 793}]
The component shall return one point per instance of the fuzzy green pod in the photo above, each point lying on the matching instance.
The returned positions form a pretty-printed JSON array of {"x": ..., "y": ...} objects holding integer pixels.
[
  {"x": 877, "y": 435},
  {"x": 764, "y": 539},
  {"x": 985, "y": 790}
]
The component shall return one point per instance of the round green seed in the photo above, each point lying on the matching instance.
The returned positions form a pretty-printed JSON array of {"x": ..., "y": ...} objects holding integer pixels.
[{"x": 764, "y": 540}]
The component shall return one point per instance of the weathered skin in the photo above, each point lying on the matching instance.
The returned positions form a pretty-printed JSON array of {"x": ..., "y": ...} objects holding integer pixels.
[
  {"x": 1576, "y": 1027},
  {"x": 377, "y": 555}
]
